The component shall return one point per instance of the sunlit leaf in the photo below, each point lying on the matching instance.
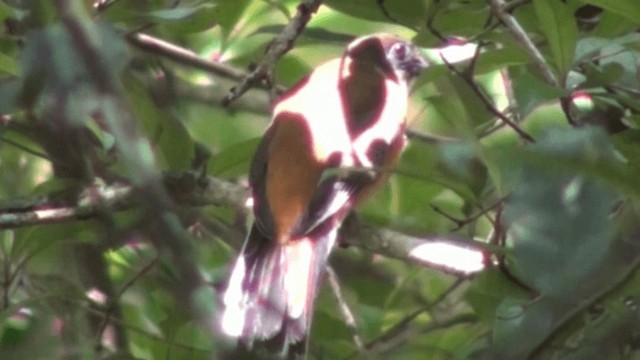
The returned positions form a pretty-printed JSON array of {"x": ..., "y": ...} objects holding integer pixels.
[
  {"x": 175, "y": 14},
  {"x": 234, "y": 160},
  {"x": 8, "y": 65}
]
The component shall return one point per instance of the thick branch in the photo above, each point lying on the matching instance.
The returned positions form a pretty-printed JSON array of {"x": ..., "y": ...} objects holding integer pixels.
[
  {"x": 185, "y": 190},
  {"x": 446, "y": 253}
]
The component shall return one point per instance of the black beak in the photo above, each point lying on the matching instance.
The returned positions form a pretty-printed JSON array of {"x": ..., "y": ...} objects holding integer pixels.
[{"x": 415, "y": 65}]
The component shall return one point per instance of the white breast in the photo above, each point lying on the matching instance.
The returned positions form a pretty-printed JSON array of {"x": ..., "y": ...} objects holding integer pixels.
[{"x": 319, "y": 101}]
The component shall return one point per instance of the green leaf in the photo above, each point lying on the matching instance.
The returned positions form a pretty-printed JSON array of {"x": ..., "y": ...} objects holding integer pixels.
[
  {"x": 165, "y": 131},
  {"x": 606, "y": 334},
  {"x": 559, "y": 220},
  {"x": 228, "y": 13},
  {"x": 364, "y": 9},
  {"x": 405, "y": 200},
  {"x": 203, "y": 19},
  {"x": 466, "y": 19},
  {"x": 629, "y": 9},
  {"x": 5, "y": 11},
  {"x": 497, "y": 59},
  {"x": 487, "y": 292},
  {"x": 8, "y": 65},
  {"x": 523, "y": 327},
  {"x": 170, "y": 15},
  {"x": 408, "y": 12},
  {"x": 560, "y": 29},
  {"x": 233, "y": 160},
  {"x": 609, "y": 61},
  {"x": 460, "y": 162},
  {"x": 530, "y": 92}
]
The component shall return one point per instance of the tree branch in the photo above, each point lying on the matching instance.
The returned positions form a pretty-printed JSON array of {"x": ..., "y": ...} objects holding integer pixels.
[
  {"x": 467, "y": 76},
  {"x": 256, "y": 104},
  {"x": 429, "y": 138},
  {"x": 185, "y": 190},
  {"x": 450, "y": 254},
  {"x": 501, "y": 10},
  {"x": 183, "y": 56},
  {"x": 278, "y": 47},
  {"x": 345, "y": 310},
  {"x": 384, "y": 344}
]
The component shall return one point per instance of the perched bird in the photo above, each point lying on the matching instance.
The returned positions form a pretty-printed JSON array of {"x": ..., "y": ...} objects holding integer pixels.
[{"x": 349, "y": 113}]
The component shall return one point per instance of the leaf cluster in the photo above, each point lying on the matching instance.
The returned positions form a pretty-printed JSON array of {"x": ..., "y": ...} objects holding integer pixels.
[{"x": 530, "y": 145}]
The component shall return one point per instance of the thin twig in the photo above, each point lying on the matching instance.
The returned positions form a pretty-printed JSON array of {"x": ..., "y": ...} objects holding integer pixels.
[
  {"x": 460, "y": 223},
  {"x": 406, "y": 333},
  {"x": 86, "y": 207},
  {"x": 501, "y": 9},
  {"x": 278, "y": 47},
  {"x": 24, "y": 148},
  {"x": 138, "y": 330},
  {"x": 345, "y": 310},
  {"x": 385, "y": 12},
  {"x": 429, "y": 138},
  {"x": 404, "y": 323},
  {"x": 113, "y": 303},
  {"x": 183, "y": 56},
  {"x": 429, "y": 24},
  {"x": 467, "y": 76},
  {"x": 218, "y": 192},
  {"x": 512, "y": 102}
]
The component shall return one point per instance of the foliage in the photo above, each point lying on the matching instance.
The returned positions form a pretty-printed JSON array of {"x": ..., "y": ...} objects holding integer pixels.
[{"x": 87, "y": 112}]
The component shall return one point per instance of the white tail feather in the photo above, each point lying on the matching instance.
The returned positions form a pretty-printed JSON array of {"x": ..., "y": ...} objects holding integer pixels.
[{"x": 235, "y": 301}]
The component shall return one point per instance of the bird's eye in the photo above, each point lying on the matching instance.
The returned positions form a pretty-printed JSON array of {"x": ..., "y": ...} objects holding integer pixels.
[{"x": 399, "y": 51}]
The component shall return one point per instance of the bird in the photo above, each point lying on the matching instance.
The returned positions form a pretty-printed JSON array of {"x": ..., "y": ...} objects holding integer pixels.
[{"x": 319, "y": 158}]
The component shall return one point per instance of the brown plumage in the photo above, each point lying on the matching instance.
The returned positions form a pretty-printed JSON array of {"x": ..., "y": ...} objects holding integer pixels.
[{"x": 349, "y": 112}]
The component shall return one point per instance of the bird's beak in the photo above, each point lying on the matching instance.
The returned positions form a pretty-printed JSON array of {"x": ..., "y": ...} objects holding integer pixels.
[{"x": 415, "y": 65}]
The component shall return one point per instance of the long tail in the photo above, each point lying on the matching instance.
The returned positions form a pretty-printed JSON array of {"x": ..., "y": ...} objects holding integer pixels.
[{"x": 272, "y": 287}]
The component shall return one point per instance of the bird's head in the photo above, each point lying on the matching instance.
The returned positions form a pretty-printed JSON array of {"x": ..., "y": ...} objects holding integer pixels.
[{"x": 388, "y": 53}]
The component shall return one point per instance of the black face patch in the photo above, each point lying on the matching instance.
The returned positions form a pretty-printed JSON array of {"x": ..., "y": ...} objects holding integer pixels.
[
  {"x": 372, "y": 51},
  {"x": 403, "y": 57}
]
